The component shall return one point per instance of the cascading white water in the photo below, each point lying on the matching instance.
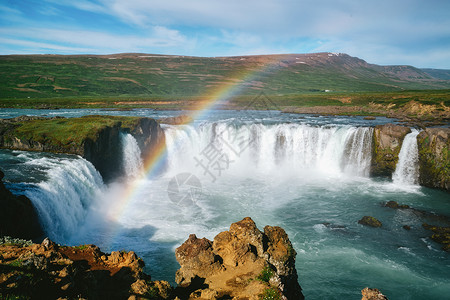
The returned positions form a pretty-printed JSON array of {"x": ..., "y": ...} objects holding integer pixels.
[
  {"x": 407, "y": 169},
  {"x": 268, "y": 148},
  {"x": 132, "y": 160},
  {"x": 62, "y": 200}
]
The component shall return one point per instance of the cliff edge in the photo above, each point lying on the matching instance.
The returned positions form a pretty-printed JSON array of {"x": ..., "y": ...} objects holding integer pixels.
[{"x": 95, "y": 138}]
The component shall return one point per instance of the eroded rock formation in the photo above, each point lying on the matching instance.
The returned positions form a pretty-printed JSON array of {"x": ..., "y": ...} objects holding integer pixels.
[
  {"x": 243, "y": 262},
  {"x": 386, "y": 145}
]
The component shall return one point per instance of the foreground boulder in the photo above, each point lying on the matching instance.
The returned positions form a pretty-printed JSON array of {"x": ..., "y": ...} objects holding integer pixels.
[
  {"x": 242, "y": 263},
  {"x": 434, "y": 157},
  {"x": 386, "y": 144},
  {"x": 18, "y": 217},
  {"x": 50, "y": 271}
]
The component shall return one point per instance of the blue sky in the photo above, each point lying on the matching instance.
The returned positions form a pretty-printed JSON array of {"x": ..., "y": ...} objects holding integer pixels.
[{"x": 412, "y": 32}]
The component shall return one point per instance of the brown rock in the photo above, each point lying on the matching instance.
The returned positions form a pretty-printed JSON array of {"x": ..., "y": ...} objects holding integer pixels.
[
  {"x": 372, "y": 294},
  {"x": 49, "y": 271},
  {"x": 233, "y": 265}
]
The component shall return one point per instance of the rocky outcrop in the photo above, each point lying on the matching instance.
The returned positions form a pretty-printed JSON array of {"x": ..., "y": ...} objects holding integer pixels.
[
  {"x": 49, "y": 271},
  {"x": 372, "y": 294},
  {"x": 18, "y": 217},
  {"x": 95, "y": 138},
  {"x": 370, "y": 221},
  {"x": 386, "y": 144},
  {"x": 104, "y": 152},
  {"x": 394, "y": 204},
  {"x": 242, "y": 263},
  {"x": 440, "y": 235},
  {"x": 150, "y": 138},
  {"x": 434, "y": 157}
]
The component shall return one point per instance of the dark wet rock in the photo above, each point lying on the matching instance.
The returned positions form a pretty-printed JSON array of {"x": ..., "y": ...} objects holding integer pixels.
[
  {"x": 370, "y": 221},
  {"x": 394, "y": 204},
  {"x": 406, "y": 227},
  {"x": 386, "y": 144},
  {"x": 18, "y": 216},
  {"x": 242, "y": 263},
  {"x": 372, "y": 294},
  {"x": 440, "y": 235},
  {"x": 434, "y": 158}
]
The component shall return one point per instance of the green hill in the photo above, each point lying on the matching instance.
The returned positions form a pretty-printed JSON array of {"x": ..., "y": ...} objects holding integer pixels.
[{"x": 47, "y": 76}]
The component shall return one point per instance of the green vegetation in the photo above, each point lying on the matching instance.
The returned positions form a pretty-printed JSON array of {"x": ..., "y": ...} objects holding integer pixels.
[
  {"x": 65, "y": 133},
  {"x": 80, "y": 247},
  {"x": 271, "y": 294},
  {"x": 16, "y": 263},
  {"x": 173, "y": 82},
  {"x": 265, "y": 274}
]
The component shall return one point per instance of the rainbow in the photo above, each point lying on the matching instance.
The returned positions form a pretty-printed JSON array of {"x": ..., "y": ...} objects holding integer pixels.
[{"x": 154, "y": 162}]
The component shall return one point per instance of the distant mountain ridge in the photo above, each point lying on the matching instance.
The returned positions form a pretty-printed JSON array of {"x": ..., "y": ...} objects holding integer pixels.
[
  {"x": 438, "y": 73},
  {"x": 136, "y": 74}
]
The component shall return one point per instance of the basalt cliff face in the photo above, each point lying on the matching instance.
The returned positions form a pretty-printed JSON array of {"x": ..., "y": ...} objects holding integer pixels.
[
  {"x": 386, "y": 144},
  {"x": 18, "y": 217},
  {"x": 242, "y": 263},
  {"x": 95, "y": 138},
  {"x": 434, "y": 153},
  {"x": 434, "y": 157}
]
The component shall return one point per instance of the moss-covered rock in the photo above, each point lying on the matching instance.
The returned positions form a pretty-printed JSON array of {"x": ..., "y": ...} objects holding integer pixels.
[
  {"x": 434, "y": 157},
  {"x": 386, "y": 144},
  {"x": 370, "y": 221},
  {"x": 394, "y": 204},
  {"x": 440, "y": 235}
]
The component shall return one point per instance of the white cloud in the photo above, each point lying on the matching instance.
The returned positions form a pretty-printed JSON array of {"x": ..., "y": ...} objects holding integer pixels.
[
  {"x": 85, "y": 5},
  {"x": 378, "y": 31},
  {"x": 159, "y": 38}
]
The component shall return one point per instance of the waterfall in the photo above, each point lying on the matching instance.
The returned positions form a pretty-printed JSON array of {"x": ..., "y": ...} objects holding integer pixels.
[
  {"x": 407, "y": 169},
  {"x": 272, "y": 148},
  {"x": 132, "y": 160},
  {"x": 63, "y": 198}
]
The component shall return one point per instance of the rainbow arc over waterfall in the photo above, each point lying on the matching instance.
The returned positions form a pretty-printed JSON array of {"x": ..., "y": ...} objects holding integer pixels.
[{"x": 154, "y": 162}]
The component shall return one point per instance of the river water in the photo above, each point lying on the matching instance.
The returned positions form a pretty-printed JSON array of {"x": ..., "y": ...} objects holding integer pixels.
[{"x": 307, "y": 174}]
